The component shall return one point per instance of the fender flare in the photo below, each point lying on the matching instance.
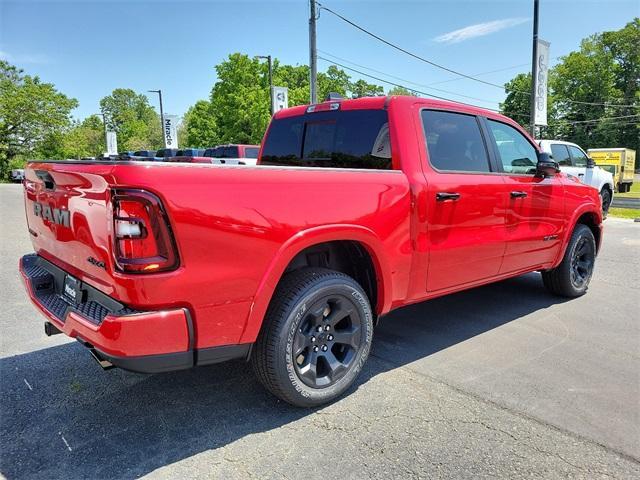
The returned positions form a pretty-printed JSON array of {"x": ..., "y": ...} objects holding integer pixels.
[
  {"x": 590, "y": 208},
  {"x": 307, "y": 238}
]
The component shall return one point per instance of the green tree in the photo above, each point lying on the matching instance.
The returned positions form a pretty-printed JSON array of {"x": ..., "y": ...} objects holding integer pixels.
[
  {"x": 133, "y": 119},
  {"x": 240, "y": 100},
  {"x": 401, "y": 91},
  {"x": 30, "y": 111},
  {"x": 517, "y": 105},
  {"x": 238, "y": 107},
  {"x": 589, "y": 86},
  {"x": 360, "y": 88},
  {"x": 198, "y": 128}
]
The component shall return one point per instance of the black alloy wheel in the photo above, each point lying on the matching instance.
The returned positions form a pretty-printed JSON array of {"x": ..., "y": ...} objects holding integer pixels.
[
  {"x": 327, "y": 340},
  {"x": 582, "y": 261}
]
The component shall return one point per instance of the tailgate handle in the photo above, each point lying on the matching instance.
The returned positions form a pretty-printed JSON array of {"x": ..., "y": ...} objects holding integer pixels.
[{"x": 47, "y": 179}]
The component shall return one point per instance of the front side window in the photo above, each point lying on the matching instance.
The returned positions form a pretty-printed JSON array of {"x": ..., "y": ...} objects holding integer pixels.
[
  {"x": 454, "y": 142},
  {"x": 560, "y": 154},
  {"x": 516, "y": 153},
  {"x": 332, "y": 139},
  {"x": 579, "y": 158}
]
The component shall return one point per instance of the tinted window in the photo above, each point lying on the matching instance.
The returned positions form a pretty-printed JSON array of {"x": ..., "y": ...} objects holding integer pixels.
[
  {"x": 560, "y": 154},
  {"x": 579, "y": 158},
  {"x": 230, "y": 152},
  {"x": 251, "y": 152},
  {"x": 454, "y": 142},
  {"x": 515, "y": 151},
  {"x": 334, "y": 139}
]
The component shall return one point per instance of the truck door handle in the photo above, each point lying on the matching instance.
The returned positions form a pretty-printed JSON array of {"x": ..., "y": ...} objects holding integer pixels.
[
  {"x": 517, "y": 194},
  {"x": 442, "y": 196}
]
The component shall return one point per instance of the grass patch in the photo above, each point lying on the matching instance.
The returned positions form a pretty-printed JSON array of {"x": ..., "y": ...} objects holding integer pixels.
[
  {"x": 624, "y": 212},
  {"x": 633, "y": 193}
]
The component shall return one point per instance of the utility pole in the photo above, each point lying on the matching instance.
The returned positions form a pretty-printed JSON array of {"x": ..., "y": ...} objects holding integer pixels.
[
  {"x": 313, "y": 54},
  {"x": 268, "y": 58},
  {"x": 164, "y": 137},
  {"x": 534, "y": 69}
]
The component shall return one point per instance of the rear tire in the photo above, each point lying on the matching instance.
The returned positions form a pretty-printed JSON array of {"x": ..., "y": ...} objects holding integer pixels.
[
  {"x": 571, "y": 278},
  {"x": 315, "y": 338}
]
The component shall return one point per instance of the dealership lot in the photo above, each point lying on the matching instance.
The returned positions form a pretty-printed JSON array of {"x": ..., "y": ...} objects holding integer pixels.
[{"x": 503, "y": 380}]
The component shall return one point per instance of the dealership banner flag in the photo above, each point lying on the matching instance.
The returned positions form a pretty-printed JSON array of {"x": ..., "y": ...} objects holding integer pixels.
[
  {"x": 540, "y": 85},
  {"x": 279, "y": 98},
  {"x": 170, "y": 130},
  {"x": 112, "y": 143}
]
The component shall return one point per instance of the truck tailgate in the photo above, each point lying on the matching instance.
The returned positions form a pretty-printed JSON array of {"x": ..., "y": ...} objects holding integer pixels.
[{"x": 68, "y": 214}]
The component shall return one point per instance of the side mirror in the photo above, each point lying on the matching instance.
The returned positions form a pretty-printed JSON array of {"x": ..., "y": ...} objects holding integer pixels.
[
  {"x": 546, "y": 166},
  {"x": 590, "y": 162}
]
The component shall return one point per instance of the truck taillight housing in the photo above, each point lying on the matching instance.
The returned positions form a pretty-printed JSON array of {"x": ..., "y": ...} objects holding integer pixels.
[{"x": 143, "y": 241}]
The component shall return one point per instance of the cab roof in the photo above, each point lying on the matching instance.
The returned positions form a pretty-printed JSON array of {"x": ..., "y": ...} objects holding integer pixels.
[{"x": 374, "y": 103}]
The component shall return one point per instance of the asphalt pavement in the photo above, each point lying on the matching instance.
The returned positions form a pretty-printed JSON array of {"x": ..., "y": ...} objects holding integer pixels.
[{"x": 503, "y": 381}]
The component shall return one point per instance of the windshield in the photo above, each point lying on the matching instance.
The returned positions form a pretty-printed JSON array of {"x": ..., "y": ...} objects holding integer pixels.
[{"x": 334, "y": 139}]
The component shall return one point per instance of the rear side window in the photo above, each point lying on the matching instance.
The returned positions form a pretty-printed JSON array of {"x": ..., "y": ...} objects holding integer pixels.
[
  {"x": 515, "y": 151},
  {"x": 334, "y": 139},
  {"x": 560, "y": 154},
  {"x": 454, "y": 142},
  {"x": 578, "y": 155},
  {"x": 251, "y": 152}
]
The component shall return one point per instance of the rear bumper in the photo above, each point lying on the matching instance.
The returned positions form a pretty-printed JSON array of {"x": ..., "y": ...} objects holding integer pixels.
[{"x": 140, "y": 341}]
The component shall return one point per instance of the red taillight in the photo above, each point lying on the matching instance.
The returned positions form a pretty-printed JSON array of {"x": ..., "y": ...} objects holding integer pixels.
[{"x": 143, "y": 242}]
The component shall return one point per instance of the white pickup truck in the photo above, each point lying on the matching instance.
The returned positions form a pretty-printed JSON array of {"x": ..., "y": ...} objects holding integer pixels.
[{"x": 574, "y": 161}]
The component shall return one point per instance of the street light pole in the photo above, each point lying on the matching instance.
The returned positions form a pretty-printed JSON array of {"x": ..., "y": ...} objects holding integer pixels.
[
  {"x": 164, "y": 137},
  {"x": 268, "y": 58},
  {"x": 313, "y": 54},
  {"x": 534, "y": 70}
]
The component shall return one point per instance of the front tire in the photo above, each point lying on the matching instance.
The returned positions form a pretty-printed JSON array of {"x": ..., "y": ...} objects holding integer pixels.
[
  {"x": 315, "y": 338},
  {"x": 571, "y": 278},
  {"x": 605, "y": 197}
]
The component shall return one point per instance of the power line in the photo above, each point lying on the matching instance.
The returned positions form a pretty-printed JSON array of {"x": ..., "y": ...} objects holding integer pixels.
[
  {"x": 455, "y": 72},
  {"x": 594, "y": 120},
  {"x": 407, "y": 52},
  {"x": 559, "y": 123},
  {"x": 409, "y": 81},
  {"x": 333, "y": 62}
]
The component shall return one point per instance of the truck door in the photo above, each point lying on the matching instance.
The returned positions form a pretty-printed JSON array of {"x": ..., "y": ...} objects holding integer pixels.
[
  {"x": 579, "y": 160},
  {"x": 535, "y": 208},
  {"x": 465, "y": 202}
]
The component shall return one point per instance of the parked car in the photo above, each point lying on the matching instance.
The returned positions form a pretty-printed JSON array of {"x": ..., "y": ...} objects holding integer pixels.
[
  {"x": 358, "y": 207},
  {"x": 138, "y": 155},
  {"x": 573, "y": 161},
  {"x": 243, "y": 154},
  {"x": 17, "y": 174},
  {"x": 164, "y": 153},
  {"x": 620, "y": 162},
  {"x": 186, "y": 155}
]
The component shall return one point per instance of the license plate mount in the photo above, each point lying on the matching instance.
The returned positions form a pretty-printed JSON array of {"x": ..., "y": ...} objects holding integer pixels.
[{"x": 72, "y": 289}]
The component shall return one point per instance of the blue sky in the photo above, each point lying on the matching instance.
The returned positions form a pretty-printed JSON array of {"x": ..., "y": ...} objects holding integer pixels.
[{"x": 88, "y": 48}]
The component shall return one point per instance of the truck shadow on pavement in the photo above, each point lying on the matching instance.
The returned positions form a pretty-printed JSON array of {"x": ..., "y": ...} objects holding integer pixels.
[{"x": 64, "y": 418}]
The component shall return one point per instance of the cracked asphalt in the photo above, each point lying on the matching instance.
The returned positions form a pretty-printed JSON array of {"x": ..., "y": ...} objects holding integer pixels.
[{"x": 503, "y": 381}]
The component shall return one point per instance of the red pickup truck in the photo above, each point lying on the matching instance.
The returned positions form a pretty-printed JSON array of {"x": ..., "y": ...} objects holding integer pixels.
[{"x": 357, "y": 207}]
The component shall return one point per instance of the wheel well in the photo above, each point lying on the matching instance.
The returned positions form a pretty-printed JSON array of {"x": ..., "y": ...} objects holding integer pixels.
[
  {"x": 348, "y": 257},
  {"x": 590, "y": 220}
]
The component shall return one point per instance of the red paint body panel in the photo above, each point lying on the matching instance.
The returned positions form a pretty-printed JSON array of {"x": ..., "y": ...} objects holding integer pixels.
[
  {"x": 149, "y": 333},
  {"x": 238, "y": 227}
]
